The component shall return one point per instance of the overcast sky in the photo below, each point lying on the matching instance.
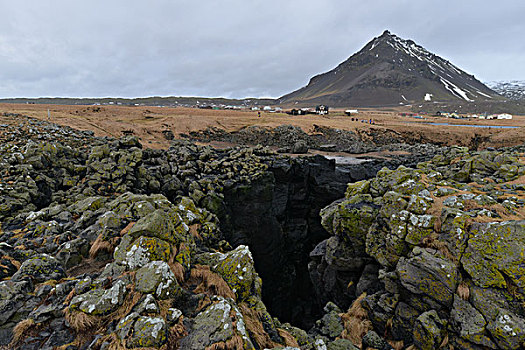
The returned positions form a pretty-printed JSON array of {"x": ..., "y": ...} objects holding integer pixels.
[{"x": 235, "y": 48}]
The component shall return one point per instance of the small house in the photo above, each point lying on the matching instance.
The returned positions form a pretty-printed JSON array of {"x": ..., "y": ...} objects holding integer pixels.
[
  {"x": 321, "y": 109},
  {"x": 504, "y": 116},
  {"x": 350, "y": 112}
]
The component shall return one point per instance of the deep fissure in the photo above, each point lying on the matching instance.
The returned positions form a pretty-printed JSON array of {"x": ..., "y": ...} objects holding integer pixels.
[{"x": 277, "y": 216}]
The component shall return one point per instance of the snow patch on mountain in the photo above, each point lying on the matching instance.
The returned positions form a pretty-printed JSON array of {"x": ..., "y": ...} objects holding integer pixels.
[
  {"x": 455, "y": 90},
  {"x": 514, "y": 89}
]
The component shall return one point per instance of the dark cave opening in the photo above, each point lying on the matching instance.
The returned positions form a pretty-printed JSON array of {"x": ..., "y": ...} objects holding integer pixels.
[{"x": 277, "y": 216}]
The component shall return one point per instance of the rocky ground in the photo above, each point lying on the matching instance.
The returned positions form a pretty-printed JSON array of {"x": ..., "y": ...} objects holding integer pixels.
[{"x": 106, "y": 245}]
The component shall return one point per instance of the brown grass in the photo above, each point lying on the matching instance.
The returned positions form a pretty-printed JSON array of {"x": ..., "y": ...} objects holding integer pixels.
[
  {"x": 70, "y": 296},
  {"x": 356, "y": 322},
  {"x": 80, "y": 321},
  {"x": 178, "y": 271},
  {"x": 444, "y": 342},
  {"x": 194, "y": 230},
  {"x": 176, "y": 267},
  {"x": 463, "y": 291},
  {"x": 21, "y": 330},
  {"x": 210, "y": 282},
  {"x": 132, "y": 298},
  {"x": 12, "y": 261},
  {"x": 255, "y": 327},
  {"x": 114, "y": 342},
  {"x": 434, "y": 243},
  {"x": 99, "y": 246},
  {"x": 397, "y": 345},
  {"x": 127, "y": 228},
  {"x": 289, "y": 340},
  {"x": 234, "y": 343}
]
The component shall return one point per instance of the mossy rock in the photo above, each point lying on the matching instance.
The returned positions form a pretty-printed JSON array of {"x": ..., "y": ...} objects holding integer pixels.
[
  {"x": 149, "y": 332},
  {"x": 353, "y": 220},
  {"x": 100, "y": 301},
  {"x": 429, "y": 331},
  {"x": 160, "y": 224},
  {"x": 40, "y": 268},
  {"x": 507, "y": 330},
  {"x": 494, "y": 253},
  {"x": 237, "y": 269},
  {"x": 216, "y": 324},
  {"x": 156, "y": 277},
  {"x": 419, "y": 205},
  {"x": 360, "y": 187},
  {"x": 419, "y": 227},
  {"x": 470, "y": 323},
  {"x": 89, "y": 203},
  {"x": 428, "y": 274},
  {"x": 387, "y": 180},
  {"x": 392, "y": 203},
  {"x": 137, "y": 253}
]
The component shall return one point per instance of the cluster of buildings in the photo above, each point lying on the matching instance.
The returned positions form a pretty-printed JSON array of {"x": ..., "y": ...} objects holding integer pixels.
[{"x": 475, "y": 116}]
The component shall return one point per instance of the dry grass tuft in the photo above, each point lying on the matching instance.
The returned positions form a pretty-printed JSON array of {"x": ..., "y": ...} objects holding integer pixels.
[
  {"x": 69, "y": 296},
  {"x": 99, "y": 246},
  {"x": 127, "y": 228},
  {"x": 356, "y": 322},
  {"x": 234, "y": 343},
  {"x": 211, "y": 282},
  {"x": 411, "y": 347},
  {"x": 289, "y": 340},
  {"x": 255, "y": 327},
  {"x": 178, "y": 271},
  {"x": 444, "y": 342},
  {"x": 204, "y": 303},
  {"x": 15, "y": 263},
  {"x": 114, "y": 342},
  {"x": 80, "y": 321},
  {"x": 463, "y": 291},
  {"x": 175, "y": 333},
  {"x": 440, "y": 246},
  {"x": 194, "y": 231},
  {"x": 397, "y": 345},
  {"x": 21, "y": 330},
  {"x": 132, "y": 298}
]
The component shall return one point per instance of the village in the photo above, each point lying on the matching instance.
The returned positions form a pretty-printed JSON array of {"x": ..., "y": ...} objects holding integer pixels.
[{"x": 454, "y": 115}]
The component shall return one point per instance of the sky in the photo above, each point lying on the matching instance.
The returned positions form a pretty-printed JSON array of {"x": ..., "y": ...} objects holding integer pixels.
[{"x": 235, "y": 48}]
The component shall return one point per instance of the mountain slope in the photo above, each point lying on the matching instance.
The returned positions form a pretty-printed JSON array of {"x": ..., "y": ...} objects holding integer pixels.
[
  {"x": 514, "y": 90},
  {"x": 391, "y": 71}
]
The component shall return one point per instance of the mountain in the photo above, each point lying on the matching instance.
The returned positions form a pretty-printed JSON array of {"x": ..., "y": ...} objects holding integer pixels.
[
  {"x": 514, "y": 90},
  {"x": 391, "y": 71}
]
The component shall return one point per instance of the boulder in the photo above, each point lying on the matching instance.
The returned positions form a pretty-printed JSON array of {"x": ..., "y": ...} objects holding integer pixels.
[
  {"x": 426, "y": 273},
  {"x": 238, "y": 270},
  {"x": 495, "y": 252},
  {"x": 40, "y": 268},
  {"x": 100, "y": 301},
  {"x": 429, "y": 331},
  {"x": 156, "y": 277},
  {"x": 148, "y": 332},
  {"x": 215, "y": 325}
]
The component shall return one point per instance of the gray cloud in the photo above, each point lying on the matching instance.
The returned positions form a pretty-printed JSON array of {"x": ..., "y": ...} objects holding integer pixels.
[{"x": 235, "y": 48}]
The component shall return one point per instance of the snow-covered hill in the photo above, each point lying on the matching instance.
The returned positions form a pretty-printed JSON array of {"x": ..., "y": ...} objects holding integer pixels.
[
  {"x": 514, "y": 89},
  {"x": 390, "y": 70}
]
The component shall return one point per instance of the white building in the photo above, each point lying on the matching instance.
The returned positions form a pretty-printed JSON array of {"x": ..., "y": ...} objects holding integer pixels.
[{"x": 504, "y": 116}]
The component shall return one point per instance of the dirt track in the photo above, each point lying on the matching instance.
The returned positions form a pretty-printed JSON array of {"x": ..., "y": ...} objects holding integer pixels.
[{"x": 149, "y": 122}]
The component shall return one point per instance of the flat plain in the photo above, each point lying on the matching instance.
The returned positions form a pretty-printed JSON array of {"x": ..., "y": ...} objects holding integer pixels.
[{"x": 148, "y": 123}]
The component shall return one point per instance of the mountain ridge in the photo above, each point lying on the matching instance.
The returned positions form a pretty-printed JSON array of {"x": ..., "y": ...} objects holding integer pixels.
[
  {"x": 512, "y": 89},
  {"x": 389, "y": 71}
]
